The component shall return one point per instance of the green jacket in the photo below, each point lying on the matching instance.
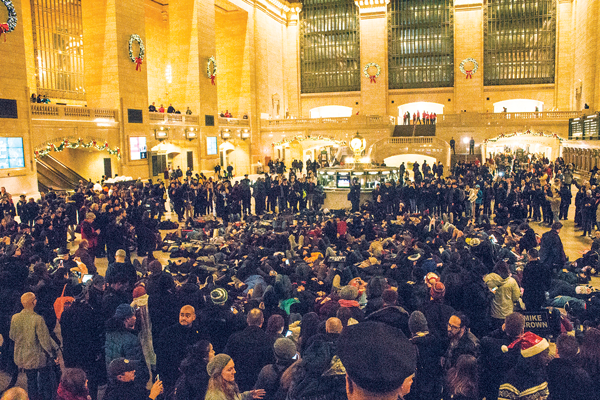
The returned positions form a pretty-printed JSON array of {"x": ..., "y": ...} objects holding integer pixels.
[{"x": 34, "y": 348}]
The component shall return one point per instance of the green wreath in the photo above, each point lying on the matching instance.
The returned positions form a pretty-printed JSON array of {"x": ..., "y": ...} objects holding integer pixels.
[
  {"x": 138, "y": 60},
  {"x": 366, "y": 71},
  {"x": 211, "y": 73},
  {"x": 11, "y": 22},
  {"x": 468, "y": 73}
]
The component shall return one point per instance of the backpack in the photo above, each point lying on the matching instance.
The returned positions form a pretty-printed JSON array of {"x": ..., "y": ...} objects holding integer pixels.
[{"x": 62, "y": 303}]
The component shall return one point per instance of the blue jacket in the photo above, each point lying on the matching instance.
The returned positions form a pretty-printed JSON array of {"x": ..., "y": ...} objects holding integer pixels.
[{"x": 121, "y": 342}]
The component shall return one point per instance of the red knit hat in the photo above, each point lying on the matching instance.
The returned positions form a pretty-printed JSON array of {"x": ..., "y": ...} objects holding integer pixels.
[
  {"x": 138, "y": 292},
  {"x": 531, "y": 344},
  {"x": 438, "y": 290}
]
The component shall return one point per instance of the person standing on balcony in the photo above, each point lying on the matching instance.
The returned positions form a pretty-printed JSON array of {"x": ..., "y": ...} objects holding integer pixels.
[
  {"x": 472, "y": 146},
  {"x": 188, "y": 111},
  {"x": 418, "y": 117},
  {"x": 152, "y": 107},
  {"x": 171, "y": 109},
  {"x": 414, "y": 118},
  {"x": 453, "y": 145},
  {"x": 161, "y": 109}
]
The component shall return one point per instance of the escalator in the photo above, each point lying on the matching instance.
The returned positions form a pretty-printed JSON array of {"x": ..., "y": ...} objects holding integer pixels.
[{"x": 54, "y": 174}]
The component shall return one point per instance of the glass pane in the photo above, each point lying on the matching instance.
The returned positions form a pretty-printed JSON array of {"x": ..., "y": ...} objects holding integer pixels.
[
  {"x": 420, "y": 43},
  {"x": 58, "y": 48},
  {"x": 519, "y": 44},
  {"x": 329, "y": 46}
]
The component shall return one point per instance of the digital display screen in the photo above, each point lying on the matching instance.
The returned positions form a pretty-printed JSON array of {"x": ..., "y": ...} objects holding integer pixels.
[
  {"x": 343, "y": 181},
  {"x": 137, "y": 148},
  {"x": 11, "y": 153},
  {"x": 211, "y": 145}
]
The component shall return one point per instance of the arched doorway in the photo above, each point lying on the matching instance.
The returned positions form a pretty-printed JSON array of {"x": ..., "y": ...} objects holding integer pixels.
[
  {"x": 518, "y": 105},
  {"x": 548, "y": 144},
  {"x": 331, "y": 112},
  {"x": 420, "y": 106},
  {"x": 226, "y": 158}
]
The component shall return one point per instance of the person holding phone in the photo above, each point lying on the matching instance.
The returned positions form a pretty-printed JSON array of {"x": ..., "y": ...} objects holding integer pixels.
[{"x": 123, "y": 385}]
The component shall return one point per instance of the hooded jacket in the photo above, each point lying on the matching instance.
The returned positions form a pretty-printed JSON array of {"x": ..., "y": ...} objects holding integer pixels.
[{"x": 505, "y": 295}]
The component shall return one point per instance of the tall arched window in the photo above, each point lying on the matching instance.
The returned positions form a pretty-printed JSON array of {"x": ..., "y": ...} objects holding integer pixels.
[
  {"x": 420, "y": 43},
  {"x": 58, "y": 48},
  {"x": 520, "y": 41},
  {"x": 329, "y": 46}
]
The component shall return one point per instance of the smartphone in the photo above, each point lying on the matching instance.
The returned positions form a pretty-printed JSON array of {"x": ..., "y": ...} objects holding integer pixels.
[
  {"x": 288, "y": 334},
  {"x": 287, "y": 262},
  {"x": 493, "y": 239},
  {"x": 86, "y": 278},
  {"x": 295, "y": 357},
  {"x": 157, "y": 377},
  {"x": 232, "y": 309}
]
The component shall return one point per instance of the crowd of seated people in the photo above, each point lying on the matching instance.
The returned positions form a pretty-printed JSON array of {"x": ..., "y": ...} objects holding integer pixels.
[{"x": 426, "y": 284}]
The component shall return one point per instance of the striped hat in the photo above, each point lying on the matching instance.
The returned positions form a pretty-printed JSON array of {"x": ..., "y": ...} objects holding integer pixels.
[{"x": 218, "y": 296}]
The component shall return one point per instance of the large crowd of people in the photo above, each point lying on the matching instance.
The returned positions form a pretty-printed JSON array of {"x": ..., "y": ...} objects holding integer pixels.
[{"x": 421, "y": 292}]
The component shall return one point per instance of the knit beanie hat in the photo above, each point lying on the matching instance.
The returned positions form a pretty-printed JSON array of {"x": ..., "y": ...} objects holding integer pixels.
[
  {"x": 438, "y": 291},
  {"x": 417, "y": 322},
  {"x": 138, "y": 291},
  {"x": 349, "y": 293},
  {"x": 155, "y": 267},
  {"x": 124, "y": 311},
  {"x": 216, "y": 365},
  {"x": 285, "y": 349},
  {"x": 219, "y": 296}
]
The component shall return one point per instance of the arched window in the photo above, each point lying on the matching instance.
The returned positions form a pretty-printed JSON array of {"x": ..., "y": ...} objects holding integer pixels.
[
  {"x": 420, "y": 43},
  {"x": 520, "y": 42},
  {"x": 329, "y": 46},
  {"x": 58, "y": 48}
]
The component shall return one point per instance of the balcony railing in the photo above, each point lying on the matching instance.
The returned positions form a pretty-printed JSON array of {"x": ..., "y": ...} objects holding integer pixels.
[
  {"x": 533, "y": 115},
  {"x": 165, "y": 118},
  {"x": 365, "y": 120},
  {"x": 233, "y": 122},
  {"x": 74, "y": 113}
]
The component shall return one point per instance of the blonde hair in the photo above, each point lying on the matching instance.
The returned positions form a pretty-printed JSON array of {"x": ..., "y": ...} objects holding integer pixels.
[{"x": 218, "y": 384}]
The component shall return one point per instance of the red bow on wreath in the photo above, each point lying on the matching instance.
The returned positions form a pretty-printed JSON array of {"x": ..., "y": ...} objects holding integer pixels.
[
  {"x": 138, "y": 62},
  {"x": 373, "y": 77},
  {"x": 4, "y": 29},
  {"x": 212, "y": 79},
  {"x": 469, "y": 74}
]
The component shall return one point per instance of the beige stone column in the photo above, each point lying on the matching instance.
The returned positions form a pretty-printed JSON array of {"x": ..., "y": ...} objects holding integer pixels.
[
  {"x": 563, "y": 80},
  {"x": 373, "y": 49},
  {"x": 468, "y": 43},
  {"x": 13, "y": 86},
  {"x": 292, "y": 63},
  {"x": 111, "y": 79},
  {"x": 192, "y": 43}
]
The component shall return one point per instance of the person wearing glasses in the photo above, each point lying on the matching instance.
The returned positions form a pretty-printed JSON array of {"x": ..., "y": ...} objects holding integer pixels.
[{"x": 462, "y": 341}]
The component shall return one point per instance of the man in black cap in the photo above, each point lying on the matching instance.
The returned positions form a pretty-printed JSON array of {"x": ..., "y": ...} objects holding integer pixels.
[
  {"x": 380, "y": 362},
  {"x": 123, "y": 385}
]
